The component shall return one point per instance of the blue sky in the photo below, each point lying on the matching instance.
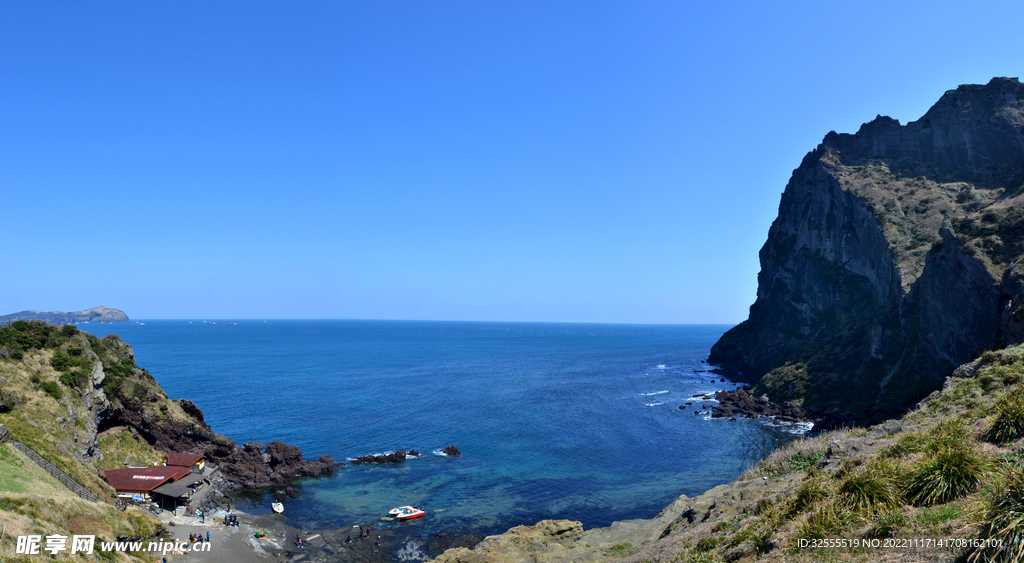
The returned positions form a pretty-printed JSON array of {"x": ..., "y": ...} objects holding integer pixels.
[{"x": 517, "y": 161}]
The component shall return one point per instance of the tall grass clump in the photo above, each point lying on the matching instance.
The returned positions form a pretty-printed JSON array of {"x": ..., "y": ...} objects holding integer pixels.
[
  {"x": 950, "y": 469},
  {"x": 828, "y": 519},
  {"x": 1009, "y": 423},
  {"x": 873, "y": 485},
  {"x": 814, "y": 489},
  {"x": 907, "y": 444},
  {"x": 1004, "y": 523}
]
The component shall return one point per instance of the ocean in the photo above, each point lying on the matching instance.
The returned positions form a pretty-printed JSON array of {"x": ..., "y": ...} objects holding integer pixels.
[{"x": 577, "y": 421}]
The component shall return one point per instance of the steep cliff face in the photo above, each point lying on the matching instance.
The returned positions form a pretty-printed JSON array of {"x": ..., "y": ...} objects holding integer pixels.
[{"x": 893, "y": 258}]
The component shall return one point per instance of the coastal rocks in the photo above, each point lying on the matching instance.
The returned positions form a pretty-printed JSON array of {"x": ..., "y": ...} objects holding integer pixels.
[
  {"x": 255, "y": 465},
  {"x": 546, "y": 541},
  {"x": 192, "y": 410},
  {"x": 443, "y": 541},
  {"x": 742, "y": 402},
  {"x": 451, "y": 450},
  {"x": 394, "y": 457}
]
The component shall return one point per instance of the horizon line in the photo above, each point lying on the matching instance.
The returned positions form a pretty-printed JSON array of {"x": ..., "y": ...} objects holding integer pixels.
[{"x": 267, "y": 319}]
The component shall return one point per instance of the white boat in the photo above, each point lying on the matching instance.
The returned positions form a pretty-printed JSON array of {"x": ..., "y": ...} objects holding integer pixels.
[
  {"x": 406, "y": 512},
  {"x": 277, "y": 507}
]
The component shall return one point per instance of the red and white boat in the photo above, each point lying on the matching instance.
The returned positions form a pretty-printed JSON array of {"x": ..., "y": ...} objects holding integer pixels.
[{"x": 406, "y": 512}]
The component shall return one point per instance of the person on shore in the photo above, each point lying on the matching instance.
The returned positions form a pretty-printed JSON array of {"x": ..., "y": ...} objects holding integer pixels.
[
  {"x": 378, "y": 541},
  {"x": 298, "y": 540},
  {"x": 207, "y": 536}
]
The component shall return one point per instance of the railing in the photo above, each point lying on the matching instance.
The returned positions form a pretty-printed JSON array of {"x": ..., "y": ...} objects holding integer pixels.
[{"x": 57, "y": 473}]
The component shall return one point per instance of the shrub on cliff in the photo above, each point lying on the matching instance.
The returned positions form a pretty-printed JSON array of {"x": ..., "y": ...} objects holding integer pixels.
[
  {"x": 116, "y": 373},
  {"x": 52, "y": 389},
  {"x": 8, "y": 400},
  {"x": 74, "y": 378},
  {"x": 785, "y": 383},
  {"x": 21, "y": 336}
]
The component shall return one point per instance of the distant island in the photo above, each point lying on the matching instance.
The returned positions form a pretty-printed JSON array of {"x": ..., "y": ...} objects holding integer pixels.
[{"x": 99, "y": 314}]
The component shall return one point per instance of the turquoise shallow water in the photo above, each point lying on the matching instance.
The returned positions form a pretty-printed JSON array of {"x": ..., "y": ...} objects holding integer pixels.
[{"x": 554, "y": 420}]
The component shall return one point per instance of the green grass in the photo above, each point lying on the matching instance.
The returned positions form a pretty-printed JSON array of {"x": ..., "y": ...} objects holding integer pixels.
[
  {"x": 800, "y": 462},
  {"x": 886, "y": 524},
  {"x": 620, "y": 549},
  {"x": 13, "y": 477}
]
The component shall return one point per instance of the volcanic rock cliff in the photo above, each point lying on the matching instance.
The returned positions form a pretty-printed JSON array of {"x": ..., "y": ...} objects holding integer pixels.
[{"x": 895, "y": 257}]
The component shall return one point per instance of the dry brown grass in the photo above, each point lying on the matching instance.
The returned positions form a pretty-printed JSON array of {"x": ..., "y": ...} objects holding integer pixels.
[{"x": 781, "y": 461}]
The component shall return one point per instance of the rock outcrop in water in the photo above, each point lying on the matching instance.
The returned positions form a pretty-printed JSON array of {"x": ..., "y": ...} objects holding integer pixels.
[
  {"x": 896, "y": 256},
  {"x": 394, "y": 457}
]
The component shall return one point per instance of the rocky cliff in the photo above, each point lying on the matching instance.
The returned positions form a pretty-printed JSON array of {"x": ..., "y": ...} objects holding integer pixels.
[
  {"x": 895, "y": 257},
  {"x": 99, "y": 314}
]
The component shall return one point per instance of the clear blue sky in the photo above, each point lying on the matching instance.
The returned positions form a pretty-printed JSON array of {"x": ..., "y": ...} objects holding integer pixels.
[{"x": 523, "y": 161}]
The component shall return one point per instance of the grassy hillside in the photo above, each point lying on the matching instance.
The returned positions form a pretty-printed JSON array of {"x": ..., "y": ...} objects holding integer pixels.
[{"x": 33, "y": 502}]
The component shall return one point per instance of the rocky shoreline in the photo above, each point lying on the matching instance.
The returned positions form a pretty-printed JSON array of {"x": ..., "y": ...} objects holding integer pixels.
[{"x": 742, "y": 402}]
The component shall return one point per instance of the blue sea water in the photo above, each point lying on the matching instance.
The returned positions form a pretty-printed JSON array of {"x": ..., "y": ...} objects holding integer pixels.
[{"x": 578, "y": 421}]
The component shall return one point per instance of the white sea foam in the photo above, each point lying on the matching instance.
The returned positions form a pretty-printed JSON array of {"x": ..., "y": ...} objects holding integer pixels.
[
  {"x": 654, "y": 393},
  {"x": 790, "y": 427},
  {"x": 439, "y": 452},
  {"x": 653, "y": 404},
  {"x": 661, "y": 366},
  {"x": 412, "y": 551}
]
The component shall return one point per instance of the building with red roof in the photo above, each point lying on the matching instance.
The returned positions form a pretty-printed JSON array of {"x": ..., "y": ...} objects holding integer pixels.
[
  {"x": 140, "y": 481},
  {"x": 193, "y": 461}
]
